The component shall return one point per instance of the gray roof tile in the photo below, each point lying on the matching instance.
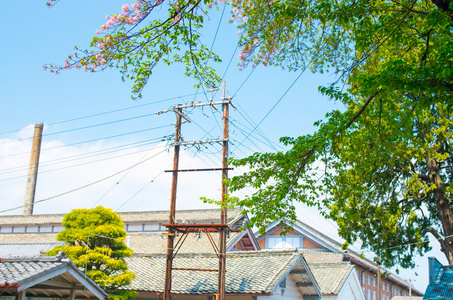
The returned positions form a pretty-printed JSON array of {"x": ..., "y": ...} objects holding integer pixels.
[
  {"x": 143, "y": 243},
  {"x": 136, "y": 216},
  {"x": 17, "y": 271},
  {"x": 26, "y": 250},
  {"x": 331, "y": 276},
  {"x": 28, "y": 238},
  {"x": 252, "y": 272},
  {"x": 354, "y": 256}
]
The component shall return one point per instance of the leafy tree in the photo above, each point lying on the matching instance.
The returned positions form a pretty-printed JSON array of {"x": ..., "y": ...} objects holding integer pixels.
[
  {"x": 94, "y": 240},
  {"x": 382, "y": 167}
]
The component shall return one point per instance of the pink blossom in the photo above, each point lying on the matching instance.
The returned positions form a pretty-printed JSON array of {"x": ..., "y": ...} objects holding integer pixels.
[
  {"x": 101, "y": 46},
  {"x": 97, "y": 31},
  {"x": 125, "y": 8}
]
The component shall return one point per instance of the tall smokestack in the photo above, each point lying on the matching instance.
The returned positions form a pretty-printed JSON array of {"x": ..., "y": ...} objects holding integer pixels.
[{"x": 33, "y": 171}]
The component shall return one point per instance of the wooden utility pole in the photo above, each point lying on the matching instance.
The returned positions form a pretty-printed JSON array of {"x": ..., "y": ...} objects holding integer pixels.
[
  {"x": 184, "y": 229},
  {"x": 223, "y": 212},
  {"x": 379, "y": 295},
  {"x": 171, "y": 221}
]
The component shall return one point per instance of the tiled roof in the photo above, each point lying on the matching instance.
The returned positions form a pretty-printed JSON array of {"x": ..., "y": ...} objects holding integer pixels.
[
  {"x": 26, "y": 250},
  {"x": 331, "y": 277},
  {"x": 253, "y": 272},
  {"x": 28, "y": 238},
  {"x": 181, "y": 215},
  {"x": 321, "y": 256},
  {"x": 328, "y": 268},
  {"x": 17, "y": 271},
  {"x": 319, "y": 235},
  {"x": 40, "y": 275},
  {"x": 352, "y": 255},
  {"x": 143, "y": 243},
  {"x": 139, "y": 216}
]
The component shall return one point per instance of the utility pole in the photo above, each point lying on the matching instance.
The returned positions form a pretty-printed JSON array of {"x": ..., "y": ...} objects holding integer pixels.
[
  {"x": 184, "y": 229},
  {"x": 171, "y": 221},
  {"x": 223, "y": 212},
  {"x": 410, "y": 287},
  {"x": 379, "y": 280}
]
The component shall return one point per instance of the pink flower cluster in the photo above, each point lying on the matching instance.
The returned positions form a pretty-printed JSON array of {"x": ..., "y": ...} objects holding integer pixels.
[{"x": 129, "y": 14}]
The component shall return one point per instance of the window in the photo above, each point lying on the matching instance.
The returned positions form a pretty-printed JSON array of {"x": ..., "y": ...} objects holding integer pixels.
[
  {"x": 275, "y": 242},
  {"x": 368, "y": 292},
  {"x": 284, "y": 242},
  {"x": 369, "y": 279},
  {"x": 374, "y": 295},
  {"x": 374, "y": 281},
  {"x": 363, "y": 278},
  {"x": 292, "y": 242}
]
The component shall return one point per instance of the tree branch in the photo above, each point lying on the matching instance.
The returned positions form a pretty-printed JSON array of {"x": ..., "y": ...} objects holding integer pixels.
[
  {"x": 421, "y": 176},
  {"x": 436, "y": 235},
  {"x": 364, "y": 106}
]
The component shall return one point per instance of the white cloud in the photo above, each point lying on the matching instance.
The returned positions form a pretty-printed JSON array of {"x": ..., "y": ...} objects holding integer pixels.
[{"x": 64, "y": 168}]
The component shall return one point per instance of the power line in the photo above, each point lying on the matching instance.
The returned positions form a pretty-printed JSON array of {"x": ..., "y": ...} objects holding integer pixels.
[
  {"x": 269, "y": 144},
  {"x": 86, "y": 127},
  {"x": 260, "y": 132},
  {"x": 93, "y": 140},
  {"x": 250, "y": 74},
  {"x": 78, "y": 165},
  {"x": 105, "y": 113},
  {"x": 79, "y": 188},
  {"x": 85, "y": 155},
  {"x": 284, "y": 94},
  {"x": 118, "y": 182}
]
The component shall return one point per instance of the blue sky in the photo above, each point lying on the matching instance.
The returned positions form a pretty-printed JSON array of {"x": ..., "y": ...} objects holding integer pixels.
[{"x": 106, "y": 116}]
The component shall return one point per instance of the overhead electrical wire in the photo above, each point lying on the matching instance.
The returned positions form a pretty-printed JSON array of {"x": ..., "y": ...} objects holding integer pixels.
[
  {"x": 81, "y": 187},
  {"x": 78, "y": 165},
  {"x": 94, "y": 140},
  {"x": 85, "y": 127},
  {"x": 259, "y": 131},
  {"x": 256, "y": 137},
  {"x": 212, "y": 46},
  {"x": 105, "y": 113},
  {"x": 122, "y": 177},
  {"x": 101, "y": 124},
  {"x": 275, "y": 105},
  {"x": 85, "y": 155},
  {"x": 148, "y": 183},
  {"x": 240, "y": 87}
]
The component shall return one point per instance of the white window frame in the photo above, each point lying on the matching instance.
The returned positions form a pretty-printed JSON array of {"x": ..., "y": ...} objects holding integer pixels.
[{"x": 283, "y": 240}]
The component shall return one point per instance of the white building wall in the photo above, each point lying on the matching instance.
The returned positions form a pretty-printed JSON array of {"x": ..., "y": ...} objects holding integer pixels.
[{"x": 351, "y": 289}]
